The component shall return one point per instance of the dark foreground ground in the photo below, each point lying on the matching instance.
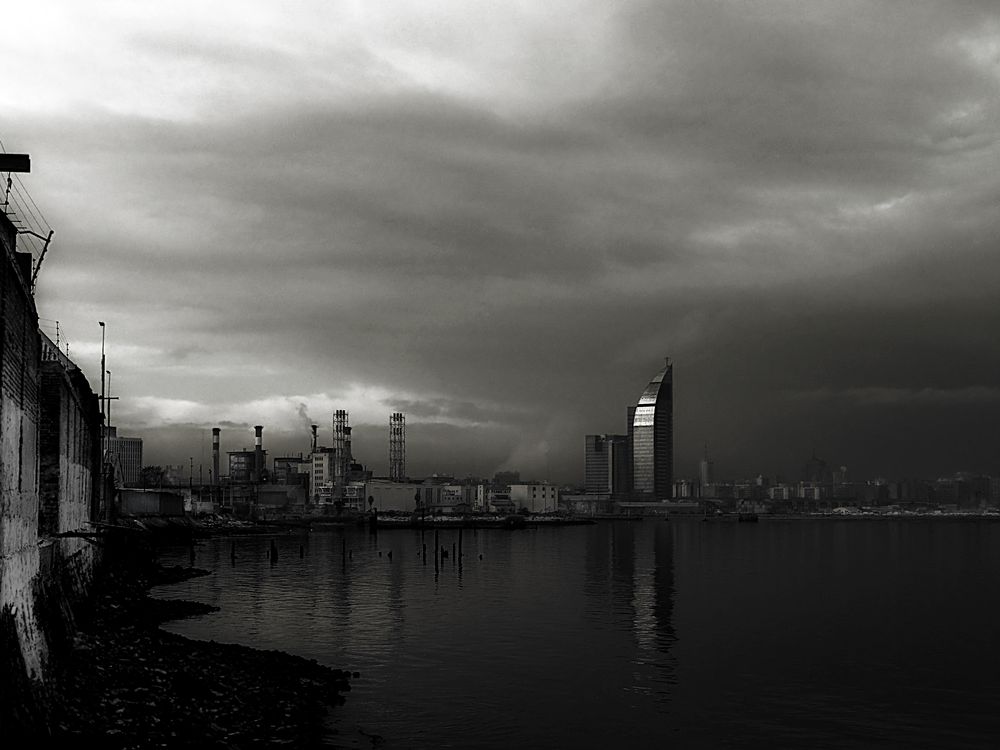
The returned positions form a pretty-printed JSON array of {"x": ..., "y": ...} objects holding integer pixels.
[{"x": 128, "y": 684}]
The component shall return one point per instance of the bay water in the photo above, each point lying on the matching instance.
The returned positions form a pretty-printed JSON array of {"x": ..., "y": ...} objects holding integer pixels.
[{"x": 798, "y": 633}]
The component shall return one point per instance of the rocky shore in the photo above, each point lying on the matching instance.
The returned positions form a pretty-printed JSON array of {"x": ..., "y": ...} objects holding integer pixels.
[{"x": 126, "y": 683}]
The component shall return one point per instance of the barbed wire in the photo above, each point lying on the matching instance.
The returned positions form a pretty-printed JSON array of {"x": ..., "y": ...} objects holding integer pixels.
[{"x": 33, "y": 229}]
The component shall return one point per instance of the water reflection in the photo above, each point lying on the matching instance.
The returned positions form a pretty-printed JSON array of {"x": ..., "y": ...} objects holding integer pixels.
[
  {"x": 794, "y": 634},
  {"x": 629, "y": 586}
]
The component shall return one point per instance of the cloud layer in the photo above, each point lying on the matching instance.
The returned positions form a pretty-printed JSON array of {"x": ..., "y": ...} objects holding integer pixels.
[{"x": 500, "y": 222}]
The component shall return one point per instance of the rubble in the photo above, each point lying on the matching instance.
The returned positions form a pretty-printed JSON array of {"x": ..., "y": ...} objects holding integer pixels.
[{"x": 131, "y": 684}]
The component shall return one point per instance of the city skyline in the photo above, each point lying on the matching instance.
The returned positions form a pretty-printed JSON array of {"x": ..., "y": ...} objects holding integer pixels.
[{"x": 496, "y": 219}]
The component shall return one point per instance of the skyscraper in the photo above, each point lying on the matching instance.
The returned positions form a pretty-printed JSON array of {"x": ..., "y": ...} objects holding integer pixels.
[
  {"x": 652, "y": 438},
  {"x": 606, "y": 465},
  {"x": 706, "y": 469}
]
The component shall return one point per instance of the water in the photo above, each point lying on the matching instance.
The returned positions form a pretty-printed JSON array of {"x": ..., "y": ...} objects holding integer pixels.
[{"x": 799, "y": 634}]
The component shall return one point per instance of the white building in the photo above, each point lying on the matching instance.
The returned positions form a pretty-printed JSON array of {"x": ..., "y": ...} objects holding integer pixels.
[
  {"x": 537, "y": 498},
  {"x": 401, "y": 497}
]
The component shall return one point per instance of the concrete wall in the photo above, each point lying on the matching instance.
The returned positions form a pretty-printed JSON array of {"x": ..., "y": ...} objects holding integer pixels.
[
  {"x": 48, "y": 428},
  {"x": 69, "y": 449},
  {"x": 19, "y": 418},
  {"x": 136, "y": 502}
]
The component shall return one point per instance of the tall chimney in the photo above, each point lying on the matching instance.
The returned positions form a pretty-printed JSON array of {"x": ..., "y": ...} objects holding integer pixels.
[
  {"x": 215, "y": 455},
  {"x": 258, "y": 454},
  {"x": 314, "y": 428},
  {"x": 348, "y": 458}
]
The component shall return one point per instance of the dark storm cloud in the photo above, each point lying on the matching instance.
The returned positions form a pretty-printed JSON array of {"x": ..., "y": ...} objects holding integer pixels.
[{"x": 794, "y": 201}]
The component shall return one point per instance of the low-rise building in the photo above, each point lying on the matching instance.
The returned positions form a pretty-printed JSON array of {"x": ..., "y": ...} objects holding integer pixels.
[{"x": 536, "y": 498}]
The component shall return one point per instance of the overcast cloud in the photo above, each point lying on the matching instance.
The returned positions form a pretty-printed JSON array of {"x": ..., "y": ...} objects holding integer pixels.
[{"x": 500, "y": 217}]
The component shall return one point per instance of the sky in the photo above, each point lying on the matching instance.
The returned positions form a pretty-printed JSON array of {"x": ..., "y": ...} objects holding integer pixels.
[{"x": 499, "y": 218}]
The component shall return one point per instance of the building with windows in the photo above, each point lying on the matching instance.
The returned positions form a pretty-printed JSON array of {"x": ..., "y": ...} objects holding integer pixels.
[
  {"x": 651, "y": 437},
  {"x": 243, "y": 466},
  {"x": 606, "y": 465},
  {"x": 126, "y": 455},
  {"x": 706, "y": 471},
  {"x": 535, "y": 498}
]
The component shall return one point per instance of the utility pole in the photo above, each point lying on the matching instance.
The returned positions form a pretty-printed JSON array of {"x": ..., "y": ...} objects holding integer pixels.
[
  {"x": 104, "y": 431},
  {"x": 101, "y": 322}
]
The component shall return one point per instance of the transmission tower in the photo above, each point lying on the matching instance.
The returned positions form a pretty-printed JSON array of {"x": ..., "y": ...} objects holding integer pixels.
[{"x": 397, "y": 447}]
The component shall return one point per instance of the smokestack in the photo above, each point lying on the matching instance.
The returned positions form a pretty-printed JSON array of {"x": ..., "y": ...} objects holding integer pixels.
[
  {"x": 314, "y": 428},
  {"x": 215, "y": 455},
  {"x": 348, "y": 458},
  {"x": 258, "y": 454}
]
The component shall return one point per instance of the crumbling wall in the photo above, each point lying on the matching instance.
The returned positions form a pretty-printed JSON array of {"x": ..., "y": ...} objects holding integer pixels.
[
  {"x": 44, "y": 568},
  {"x": 19, "y": 416}
]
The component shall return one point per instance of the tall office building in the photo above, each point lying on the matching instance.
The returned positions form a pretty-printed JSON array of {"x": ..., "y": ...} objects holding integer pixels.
[
  {"x": 706, "y": 469},
  {"x": 126, "y": 454},
  {"x": 606, "y": 465},
  {"x": 651, "y": 436}
]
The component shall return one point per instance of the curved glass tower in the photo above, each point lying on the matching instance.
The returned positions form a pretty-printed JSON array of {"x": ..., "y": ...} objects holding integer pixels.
[{"x": 652, "y": 433}]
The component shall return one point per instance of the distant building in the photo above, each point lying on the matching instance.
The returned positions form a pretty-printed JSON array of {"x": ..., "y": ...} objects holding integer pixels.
[
  {"x": 126, "y": 454},
  {"x": 606, "y": 465},
  {"x": 324, "y": 471},
  {"x": 286, "y": 469},
  {"x": 651, "y": 437},
  {"x": 706, "y": 471},
  {"x": 243, "y": 465},
  {"x": 816, "y": 470},
  {"x": 536, "y": 498},
  {"x": 404, "y": 497}
]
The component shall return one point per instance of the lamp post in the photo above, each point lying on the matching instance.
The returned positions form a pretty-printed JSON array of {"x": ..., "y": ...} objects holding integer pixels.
[
  {"x": 106, "y": 500},
  {"x": 102, "y": 366}
]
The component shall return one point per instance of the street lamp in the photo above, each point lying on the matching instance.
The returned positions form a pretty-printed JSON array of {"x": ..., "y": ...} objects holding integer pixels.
[{"x": 102, "y": 366}]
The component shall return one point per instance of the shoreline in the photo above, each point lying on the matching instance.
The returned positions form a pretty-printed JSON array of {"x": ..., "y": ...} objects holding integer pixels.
[
  {"x": 185, "y": 529},
  {"x": 130, "y": 684}
]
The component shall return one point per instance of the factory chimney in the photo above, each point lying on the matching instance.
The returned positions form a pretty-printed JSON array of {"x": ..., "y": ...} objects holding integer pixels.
[
  {"x": 348, "y": 458},
  {"x": 314, "y": 428},
  {"x": 215, "y": 455},
  {"x": 258, "y": 454}
]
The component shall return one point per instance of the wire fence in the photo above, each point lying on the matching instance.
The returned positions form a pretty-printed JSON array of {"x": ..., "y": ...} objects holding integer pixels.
[{"x": 34, "y": 233}]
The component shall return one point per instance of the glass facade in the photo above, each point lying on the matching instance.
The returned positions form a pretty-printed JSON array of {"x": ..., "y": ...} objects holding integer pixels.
[{"x": 652, "y": 432}]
